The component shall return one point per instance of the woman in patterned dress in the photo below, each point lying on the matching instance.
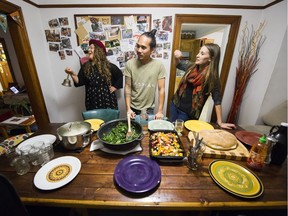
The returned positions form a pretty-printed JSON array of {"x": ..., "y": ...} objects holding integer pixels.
[{"x": 100, "y": 78}]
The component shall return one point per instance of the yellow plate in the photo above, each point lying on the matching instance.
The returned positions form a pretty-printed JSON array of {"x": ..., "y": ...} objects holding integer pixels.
[
  {"x": 197, "y": 125},
  {"x": 235, "y": 179},
  {"x": 95, "y": 123}
]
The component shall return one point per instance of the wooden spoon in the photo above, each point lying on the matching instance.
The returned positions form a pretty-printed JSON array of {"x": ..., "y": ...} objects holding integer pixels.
[{"x": 129, "y": 132}]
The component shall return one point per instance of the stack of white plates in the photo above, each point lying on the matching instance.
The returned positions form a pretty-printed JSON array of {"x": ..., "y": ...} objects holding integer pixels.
[{"x": 160, "y": 125}]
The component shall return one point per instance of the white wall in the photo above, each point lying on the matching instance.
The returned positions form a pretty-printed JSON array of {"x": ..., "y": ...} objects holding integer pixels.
[
  {"x": 276, "y": 26},
  {"x": 66, "y": 104}
]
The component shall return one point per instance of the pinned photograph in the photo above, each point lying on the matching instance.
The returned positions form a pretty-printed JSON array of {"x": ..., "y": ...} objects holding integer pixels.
[
  {"x": 114, "y": 31},
  {"x": 112, "y": 43},
  {"x": 162, "y": 36},
  {"x": 62, "y": 55},
  {"x": 167, "y": 23},
  {"x": 97, "y": 26},
  {"x": 54, "y": 23},
  {"x": 54, "y": 47},
  {"x": 127, "y": 33},
  {"x": 52, "y": 35},
  {"x": 98, "y": 36},
  {"x": 141, "y": 19},
  {"x": 69, "y": 52},
  {"x": 66, "y": 32},
  {"x": 157, "y": 24},
  {"x": 65, "y": 43},
  {"x": 167, "y": 46},
  {"x": 165, "y": 55},
  {"x": 63, "y": 21},
  {"x": 117, "y": 20}
]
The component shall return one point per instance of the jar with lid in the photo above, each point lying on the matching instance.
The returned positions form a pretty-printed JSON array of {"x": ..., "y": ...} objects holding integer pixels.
[
  {"x": 257, "y": 156},
  {"x": 279, "y": 150}
]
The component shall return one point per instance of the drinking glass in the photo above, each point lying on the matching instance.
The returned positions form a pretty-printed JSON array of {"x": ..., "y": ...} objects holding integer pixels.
[
  {"x": 21, "y": 164},
  {"x": 35, "y": 156},
  {"x": 11, "y": 154},
  {"x": 179, "y": 124},
  {"x": 144, "y": 121},
  {"x": 47, "y": 153}
]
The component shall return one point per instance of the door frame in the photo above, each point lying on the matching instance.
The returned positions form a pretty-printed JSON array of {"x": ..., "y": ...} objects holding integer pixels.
[
  {"x": 233, "y": 21},
  {"x": 24, "y": 54}
]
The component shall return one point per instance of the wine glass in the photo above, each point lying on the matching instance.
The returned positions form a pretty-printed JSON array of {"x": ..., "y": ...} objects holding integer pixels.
[{"x": 179, "y": 124}]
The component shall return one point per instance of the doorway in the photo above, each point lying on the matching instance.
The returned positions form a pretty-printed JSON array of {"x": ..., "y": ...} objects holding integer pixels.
[
  {"x": 23, "y": 52},
  {"x": 7, "y": 78},
  {"x": 202, "y": 21}
]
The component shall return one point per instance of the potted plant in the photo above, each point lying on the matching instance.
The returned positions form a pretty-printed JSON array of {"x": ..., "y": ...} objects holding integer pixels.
[{"x": 21, "y": 108}]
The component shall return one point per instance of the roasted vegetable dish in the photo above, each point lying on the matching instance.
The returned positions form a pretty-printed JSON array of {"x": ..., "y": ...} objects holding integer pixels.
[
  {"x": 117, "y": 135},
  {"x": 165, "y": 144}
]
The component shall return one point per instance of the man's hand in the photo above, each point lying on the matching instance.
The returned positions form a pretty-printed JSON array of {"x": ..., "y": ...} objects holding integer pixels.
[{"x": 159, "y": 115}]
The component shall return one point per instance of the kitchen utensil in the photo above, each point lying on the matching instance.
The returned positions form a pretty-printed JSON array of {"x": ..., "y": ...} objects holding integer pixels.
[
  {"x": 129, "y": 132},
  {"x": 75, "y": 135},
  {"x": 108, "y": 126}
]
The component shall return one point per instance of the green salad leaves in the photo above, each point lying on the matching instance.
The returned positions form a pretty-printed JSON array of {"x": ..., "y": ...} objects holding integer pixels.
[{"x": 118, "y": 134}]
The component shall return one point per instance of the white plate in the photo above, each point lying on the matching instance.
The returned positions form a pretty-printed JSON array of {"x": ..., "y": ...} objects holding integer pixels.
[
  {"x": 47, "y": 138},
  {"x": 57, "y": 173},
  {"x": 160, "y": 125}
]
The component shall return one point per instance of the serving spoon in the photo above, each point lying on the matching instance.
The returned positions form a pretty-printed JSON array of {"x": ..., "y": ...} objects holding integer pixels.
[{"x": 129, "y": 132}]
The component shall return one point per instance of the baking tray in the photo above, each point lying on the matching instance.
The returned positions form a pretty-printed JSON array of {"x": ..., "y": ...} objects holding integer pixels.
[{"x": 164, "y": 158}]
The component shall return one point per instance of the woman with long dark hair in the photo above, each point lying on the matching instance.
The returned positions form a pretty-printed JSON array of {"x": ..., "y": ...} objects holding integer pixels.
[
  {"x": 199, "y": 81},
  {"x": 100, "y": 78}
]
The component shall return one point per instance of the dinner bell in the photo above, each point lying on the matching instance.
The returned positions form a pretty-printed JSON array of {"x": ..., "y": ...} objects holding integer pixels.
[{"x": 67, "y": 82}]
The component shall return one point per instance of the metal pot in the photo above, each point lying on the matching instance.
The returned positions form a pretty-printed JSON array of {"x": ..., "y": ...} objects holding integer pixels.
[
  {"x": 75, "y": 135},
  {"x": 107, "y": 127}
]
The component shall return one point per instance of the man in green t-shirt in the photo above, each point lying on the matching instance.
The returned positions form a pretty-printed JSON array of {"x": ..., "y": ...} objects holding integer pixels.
[{"x": 142, "y": 76}]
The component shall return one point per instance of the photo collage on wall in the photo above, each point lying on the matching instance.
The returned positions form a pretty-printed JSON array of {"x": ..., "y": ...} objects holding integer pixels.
[
  {"x": 58, "y": 37},
  {"x": 163, "y": 37},
  {"x": 119, "y": 33}
]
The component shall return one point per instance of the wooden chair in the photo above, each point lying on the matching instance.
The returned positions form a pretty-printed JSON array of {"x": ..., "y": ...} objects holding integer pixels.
[{"x": 104, "y": 114}]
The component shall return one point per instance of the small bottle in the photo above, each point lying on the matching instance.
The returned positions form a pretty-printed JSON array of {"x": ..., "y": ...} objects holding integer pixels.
[{"x": 257, "y": 156}]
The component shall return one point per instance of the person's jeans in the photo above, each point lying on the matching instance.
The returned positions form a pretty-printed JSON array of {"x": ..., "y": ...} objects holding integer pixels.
[
  {"x": 176, "y": 113},
  {"x": 150, "y": 111}
]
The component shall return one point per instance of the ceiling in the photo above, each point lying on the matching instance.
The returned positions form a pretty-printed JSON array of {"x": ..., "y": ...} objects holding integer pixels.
[{"x": 194, "y": 2}]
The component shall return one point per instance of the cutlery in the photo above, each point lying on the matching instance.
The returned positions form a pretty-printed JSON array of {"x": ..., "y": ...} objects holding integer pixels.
[{"x": 129, "y": 132}]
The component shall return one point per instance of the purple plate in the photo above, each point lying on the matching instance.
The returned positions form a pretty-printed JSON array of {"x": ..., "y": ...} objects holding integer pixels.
[{"x": 137, "y": 174}]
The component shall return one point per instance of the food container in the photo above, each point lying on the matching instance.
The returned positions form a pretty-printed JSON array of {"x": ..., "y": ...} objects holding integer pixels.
[
  {"x": 75, "y": 135},
  {"x": 108, "y": 126},
  {"x": 166, "y": 146}
]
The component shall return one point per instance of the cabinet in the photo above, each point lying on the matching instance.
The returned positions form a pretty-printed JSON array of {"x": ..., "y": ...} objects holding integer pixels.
[
  {"x": 193, "y": 46},
  {"x": 186, "y": 45}
]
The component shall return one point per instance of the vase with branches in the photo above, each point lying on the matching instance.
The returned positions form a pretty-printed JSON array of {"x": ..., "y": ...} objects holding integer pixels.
[{"x": 248, "y": 59}]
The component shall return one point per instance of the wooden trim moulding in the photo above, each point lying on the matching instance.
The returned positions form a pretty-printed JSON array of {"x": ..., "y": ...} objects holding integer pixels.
[{"x": 247, "y": 7}]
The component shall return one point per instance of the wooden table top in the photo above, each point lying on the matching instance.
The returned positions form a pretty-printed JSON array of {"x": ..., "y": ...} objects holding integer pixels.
[{"x": 180, "y": 188}]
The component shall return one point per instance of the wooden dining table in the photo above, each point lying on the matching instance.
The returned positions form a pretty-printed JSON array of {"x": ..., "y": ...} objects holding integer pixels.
[{"x": 180, "y": 188}]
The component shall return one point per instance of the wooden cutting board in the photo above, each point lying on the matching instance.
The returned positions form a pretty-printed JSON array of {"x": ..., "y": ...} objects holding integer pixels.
[{"x": 240, "y": 153}]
